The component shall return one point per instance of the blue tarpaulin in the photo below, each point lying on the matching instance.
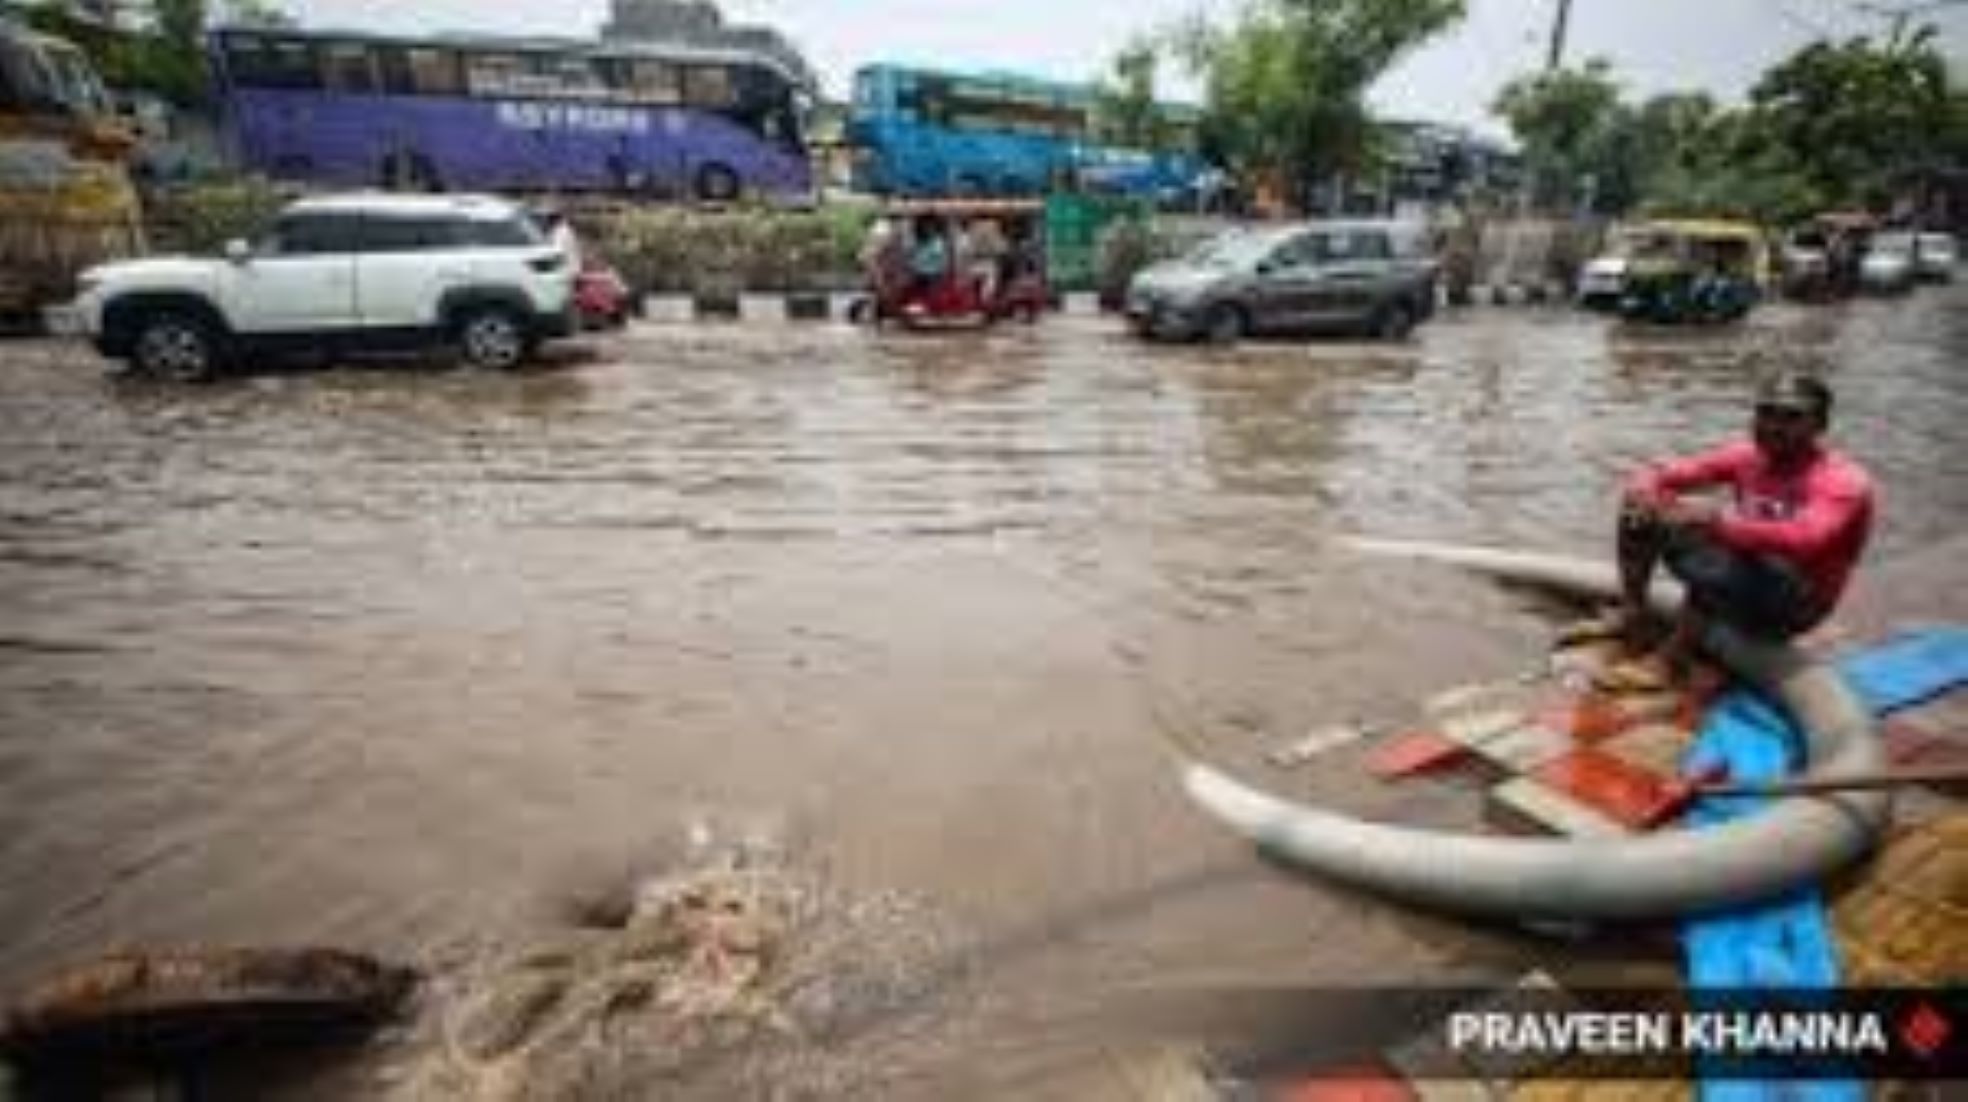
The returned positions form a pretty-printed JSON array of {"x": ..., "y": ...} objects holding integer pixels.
[{"x": 1788, "y": 943}]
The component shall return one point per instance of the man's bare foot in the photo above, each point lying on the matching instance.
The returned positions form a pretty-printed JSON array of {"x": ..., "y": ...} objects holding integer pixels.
[
  {"x": 1649, "y": 673},
  {"x": 1615, "y": 623},
  {"x": 1635, "y": 633}
]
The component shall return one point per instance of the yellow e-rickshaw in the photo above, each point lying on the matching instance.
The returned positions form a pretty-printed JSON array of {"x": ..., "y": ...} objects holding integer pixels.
[{"x": 1694, "y": 271}]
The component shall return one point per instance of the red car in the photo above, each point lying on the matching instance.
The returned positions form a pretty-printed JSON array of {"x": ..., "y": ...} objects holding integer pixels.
[{"x": 601, "y": 297}]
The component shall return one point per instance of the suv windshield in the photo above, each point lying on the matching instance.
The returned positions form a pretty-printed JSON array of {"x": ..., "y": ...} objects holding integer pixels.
[{"x": 1236, "y": 249}]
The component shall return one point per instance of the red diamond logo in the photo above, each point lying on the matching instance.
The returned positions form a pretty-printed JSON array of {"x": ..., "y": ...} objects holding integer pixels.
[{"x": 1924, "y": 1030}]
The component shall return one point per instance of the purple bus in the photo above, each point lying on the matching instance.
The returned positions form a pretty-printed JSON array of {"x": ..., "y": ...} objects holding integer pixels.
[{"x": 473, "y": 113}]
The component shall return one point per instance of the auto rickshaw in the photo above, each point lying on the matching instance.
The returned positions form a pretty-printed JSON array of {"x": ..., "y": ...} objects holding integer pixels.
[
  {"x": 954, "y": 262},
  {"x": 1699, "y": 272}
]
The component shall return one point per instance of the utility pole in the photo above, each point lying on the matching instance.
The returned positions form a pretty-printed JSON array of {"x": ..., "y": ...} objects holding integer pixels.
[{"x": 1558, "y": 27}]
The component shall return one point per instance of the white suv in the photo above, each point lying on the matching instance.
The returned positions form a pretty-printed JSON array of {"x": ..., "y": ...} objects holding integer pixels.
[{"x": 350, "y": 272}]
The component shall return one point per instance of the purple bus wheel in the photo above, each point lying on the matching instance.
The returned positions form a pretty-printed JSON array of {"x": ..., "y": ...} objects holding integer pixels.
[{"x": 717, "y": 183}]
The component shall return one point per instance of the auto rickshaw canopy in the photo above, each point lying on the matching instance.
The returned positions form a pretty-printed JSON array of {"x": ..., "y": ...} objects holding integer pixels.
[{"x": 1737, "y": 248}]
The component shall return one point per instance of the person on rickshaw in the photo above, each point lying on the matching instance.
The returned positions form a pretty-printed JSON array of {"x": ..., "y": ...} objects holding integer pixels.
[
  {"x": 884, "y": 259},
  {"x": 929, "y": 261},
  {"x": 986, "y": 264},
  {"x": 1021, "y": 256},
  {"x": 1708, "y": 291}
]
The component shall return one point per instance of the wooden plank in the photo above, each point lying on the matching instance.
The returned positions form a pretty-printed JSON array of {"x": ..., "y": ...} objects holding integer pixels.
[{"x": 1524, "y": 805}]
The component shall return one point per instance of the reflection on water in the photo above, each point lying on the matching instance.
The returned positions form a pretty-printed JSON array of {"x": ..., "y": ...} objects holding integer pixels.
[{"x": 363, "y": 656}]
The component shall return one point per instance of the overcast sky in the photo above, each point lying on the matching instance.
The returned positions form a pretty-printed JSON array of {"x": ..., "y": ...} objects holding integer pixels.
[{"x": 1718, "y": 46}]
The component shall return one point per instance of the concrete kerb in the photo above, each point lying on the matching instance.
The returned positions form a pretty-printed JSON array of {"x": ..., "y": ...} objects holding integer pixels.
[
  {"x": 798, "y": 306},
  {"x": 818, "y": 306},
  {"x": 1517, "y": 294},
  {"x": 805, "y": 306}
]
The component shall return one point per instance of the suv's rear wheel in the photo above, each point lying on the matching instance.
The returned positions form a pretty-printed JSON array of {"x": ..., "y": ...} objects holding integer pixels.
[
  {"x": 492, "y": 337},
  {"x": 1224, "y": 324},
  {"x": 178, "y": 346},
  {"x": 1394, "y": 322}
]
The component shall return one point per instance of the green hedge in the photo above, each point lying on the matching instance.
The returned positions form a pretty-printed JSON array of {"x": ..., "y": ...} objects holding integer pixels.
[{"x": 673, "y": 250}]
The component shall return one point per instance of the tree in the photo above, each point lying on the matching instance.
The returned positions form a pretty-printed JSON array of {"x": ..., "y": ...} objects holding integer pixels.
[
  {"x": 1835, "y": 124},
  {"x": 1571, "y": 126},
  {"x": 1286, "y": 81},
  {"x": 1124, "y": 108},
  {"x": 168, "y": 57},
  {"x": 164, "y": 54},
  {"x": 256, "y": 13},
  {"x": 1855, "y": 114}
]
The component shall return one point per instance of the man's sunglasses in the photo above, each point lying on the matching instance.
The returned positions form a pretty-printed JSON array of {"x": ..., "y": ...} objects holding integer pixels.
[{"x": 1784, "y": 413}]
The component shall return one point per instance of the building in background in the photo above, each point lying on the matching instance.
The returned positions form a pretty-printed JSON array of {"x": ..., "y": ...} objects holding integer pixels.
[
  {"x": 700, "y": 23},
  {"x": 1430, "y": 164}
]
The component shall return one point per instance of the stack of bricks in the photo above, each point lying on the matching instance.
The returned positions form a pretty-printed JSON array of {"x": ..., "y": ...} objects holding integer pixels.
[{"x": 1569, "y": 759}]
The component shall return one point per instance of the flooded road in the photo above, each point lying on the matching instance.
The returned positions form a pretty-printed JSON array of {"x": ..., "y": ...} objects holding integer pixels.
[{"x": 376, "y": 657}]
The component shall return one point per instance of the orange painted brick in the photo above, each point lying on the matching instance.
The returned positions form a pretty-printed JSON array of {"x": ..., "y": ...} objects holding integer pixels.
[
  {"x": 1626, "y": 793},
  {"x": 1655, "y": 747},
  {"x": 1362, "y": 1083},
  {"x": 1587, "y": 718}
]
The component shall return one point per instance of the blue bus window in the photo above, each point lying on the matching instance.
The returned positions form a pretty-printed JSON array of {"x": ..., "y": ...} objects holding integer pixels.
[{"x": 348, "y": 68}]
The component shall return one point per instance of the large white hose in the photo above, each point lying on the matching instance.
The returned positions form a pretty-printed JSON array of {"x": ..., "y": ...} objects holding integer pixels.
[{"x": 1796, "y": 841}]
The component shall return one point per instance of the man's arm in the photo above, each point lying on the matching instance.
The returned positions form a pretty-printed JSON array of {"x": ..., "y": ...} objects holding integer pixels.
[
  {"x": 1657, "y": 483},
  {"x": 1824, "y": 517}
]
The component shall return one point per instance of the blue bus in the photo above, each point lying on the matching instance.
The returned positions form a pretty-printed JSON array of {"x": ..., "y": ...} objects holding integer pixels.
[
  {"x": 920, "y": 132},
  {"x": 477, "y": 113}
]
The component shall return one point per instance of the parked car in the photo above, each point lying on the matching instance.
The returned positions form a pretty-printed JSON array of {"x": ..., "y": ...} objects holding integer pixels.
[
  {"x": 1820, "y": 257},
  {"x": 1888, "y": 264},
  {"x": 345, "y": 273},
  {"x": 1370, "y": 276},
  {"x": 1602, "y": 282},
  {"x": 602, "y": 298},
  {"x": 1934, "y": 256},
  {"x": 1804, "y": 262}
]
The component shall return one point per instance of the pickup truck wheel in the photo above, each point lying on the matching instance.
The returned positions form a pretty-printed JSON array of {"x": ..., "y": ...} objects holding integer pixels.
[
  {"x": 492, "y": 338},
  {"x": 176, "y": 346},
  {"x": 1395, "y": 322}
]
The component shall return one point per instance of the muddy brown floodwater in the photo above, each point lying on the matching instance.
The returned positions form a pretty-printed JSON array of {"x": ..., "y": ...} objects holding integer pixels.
[{"x": 374, "y": 657}]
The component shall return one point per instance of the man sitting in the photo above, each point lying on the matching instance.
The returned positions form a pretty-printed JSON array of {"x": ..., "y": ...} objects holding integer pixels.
[
  {"x": 929, "y": 264},
  {"x": 1772, "y": 561}
]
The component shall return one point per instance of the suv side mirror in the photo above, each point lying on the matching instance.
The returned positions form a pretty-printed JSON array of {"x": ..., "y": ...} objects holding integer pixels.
[
  {"x": 1267, "y": 267},
  {"x": 238, "y": 251}
]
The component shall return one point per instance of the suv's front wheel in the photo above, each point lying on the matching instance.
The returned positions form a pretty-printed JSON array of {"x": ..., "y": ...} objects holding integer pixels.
[
  {"x": 1394, "y": 322},
  {"x": 1224, "y": 324},
  {"x": 176, "y": 346},
  {"x": 492, "y": 338}
]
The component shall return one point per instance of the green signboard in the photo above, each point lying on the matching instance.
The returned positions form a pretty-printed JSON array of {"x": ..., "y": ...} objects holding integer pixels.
[{"x": 1073, "y": 225}]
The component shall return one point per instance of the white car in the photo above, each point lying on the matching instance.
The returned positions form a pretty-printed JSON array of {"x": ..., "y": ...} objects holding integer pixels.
[
  {"x": 350, "y": 272},
  {"x": 1888, "y": 264},
  {"x": 1934, "y": 256},
  {"x": 1602, "y": 282}
]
